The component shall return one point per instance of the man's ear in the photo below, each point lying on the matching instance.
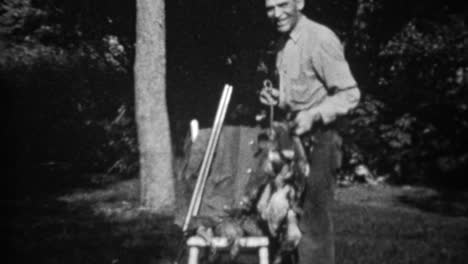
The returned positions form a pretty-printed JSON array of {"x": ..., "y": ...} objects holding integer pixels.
[{"x": 300, "y": 4}]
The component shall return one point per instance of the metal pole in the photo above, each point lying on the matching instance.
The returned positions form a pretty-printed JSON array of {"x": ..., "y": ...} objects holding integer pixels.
[
  {"x": 217, "y": 131},
  {"x": 207, "y": 159}
]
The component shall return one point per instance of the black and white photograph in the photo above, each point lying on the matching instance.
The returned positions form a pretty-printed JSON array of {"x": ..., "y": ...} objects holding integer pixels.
[{"x": 235, "y": 131}]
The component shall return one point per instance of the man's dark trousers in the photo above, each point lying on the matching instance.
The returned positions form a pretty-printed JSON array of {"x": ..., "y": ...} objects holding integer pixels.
[{"x": 317, "y": 243}]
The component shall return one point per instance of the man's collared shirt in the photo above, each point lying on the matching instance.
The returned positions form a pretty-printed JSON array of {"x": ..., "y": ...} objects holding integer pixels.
[{"x": 313, "y": 72}]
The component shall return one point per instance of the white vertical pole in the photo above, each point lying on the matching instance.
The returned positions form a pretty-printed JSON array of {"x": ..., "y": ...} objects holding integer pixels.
[
  {"x": 263, "y": 255},
  {"x": 193, "y": 255}
]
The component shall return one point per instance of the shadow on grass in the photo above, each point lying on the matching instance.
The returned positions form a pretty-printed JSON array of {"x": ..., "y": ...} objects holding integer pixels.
[
  {"x": 446, "y": 202},
  {"x": 370, "y": 234},
  {"x": 88, "y": 226},
  {"x": 105, "y": 225}
]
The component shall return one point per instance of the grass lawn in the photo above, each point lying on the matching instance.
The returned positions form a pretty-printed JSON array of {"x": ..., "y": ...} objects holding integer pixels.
[
  {"x": 374, "y": 224},
  {"x": 377, "y": 225}
]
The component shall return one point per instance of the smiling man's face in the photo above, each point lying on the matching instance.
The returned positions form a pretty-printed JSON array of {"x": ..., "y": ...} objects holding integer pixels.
[{"x": 284, "y": 14}]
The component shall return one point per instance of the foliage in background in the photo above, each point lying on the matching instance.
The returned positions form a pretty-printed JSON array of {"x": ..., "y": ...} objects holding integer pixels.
[
  {"x": 67, "y": 66},
  {"x": 68, "y": 108},
  {"x": 412, "y": 126},
  {"x": 68, "y": 70}
]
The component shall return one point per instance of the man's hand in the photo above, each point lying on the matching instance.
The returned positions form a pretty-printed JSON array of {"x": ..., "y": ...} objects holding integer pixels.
[
  {"x": 305, "y": 120},
  {"x": 269, "y": 96}
]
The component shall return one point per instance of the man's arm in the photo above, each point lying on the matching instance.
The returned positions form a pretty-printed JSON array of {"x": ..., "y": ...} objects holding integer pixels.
[
  {"x": 333, "y": 70},
  {"x": 331, "y": 66},
  {"x": 338, "y": 104}
]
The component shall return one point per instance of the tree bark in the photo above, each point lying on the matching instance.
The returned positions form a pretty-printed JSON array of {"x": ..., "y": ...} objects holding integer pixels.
[{"x": 156, "y": 172}]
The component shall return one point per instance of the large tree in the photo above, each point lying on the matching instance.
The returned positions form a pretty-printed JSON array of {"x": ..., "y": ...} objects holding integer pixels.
[{"x": 156, "y": 173}]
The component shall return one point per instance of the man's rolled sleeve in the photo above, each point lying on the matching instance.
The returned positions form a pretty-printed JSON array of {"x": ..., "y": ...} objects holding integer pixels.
[{"x": 339, "y": 104}]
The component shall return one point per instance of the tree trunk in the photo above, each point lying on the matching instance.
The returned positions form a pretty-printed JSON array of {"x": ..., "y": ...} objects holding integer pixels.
[{"x": 156, "y": 173}]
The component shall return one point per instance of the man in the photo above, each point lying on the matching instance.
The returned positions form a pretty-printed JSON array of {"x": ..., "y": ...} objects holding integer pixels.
[{"x": 316, "y": 86}]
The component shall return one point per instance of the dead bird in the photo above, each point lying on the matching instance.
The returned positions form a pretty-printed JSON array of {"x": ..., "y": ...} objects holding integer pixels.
[
  {"x": 276, "y": 189},
  {"x": 272, "y": 201}
]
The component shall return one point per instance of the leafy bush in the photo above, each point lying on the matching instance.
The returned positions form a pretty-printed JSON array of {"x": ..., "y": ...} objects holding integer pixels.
[
  {"x": 412, "y": 127},
  {"x": 68, "y": 106}
]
